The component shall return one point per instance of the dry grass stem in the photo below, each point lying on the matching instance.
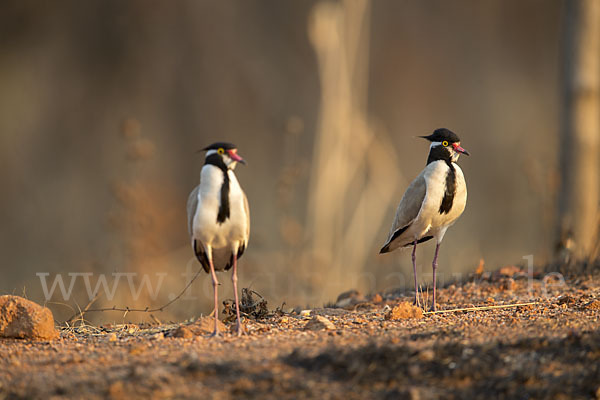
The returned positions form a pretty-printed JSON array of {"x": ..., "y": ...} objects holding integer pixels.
[{"x": 482, "y": 308}]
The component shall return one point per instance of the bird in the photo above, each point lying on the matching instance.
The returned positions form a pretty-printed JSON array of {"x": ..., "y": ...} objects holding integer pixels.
[
  {"x": 219, "y": 219},
  {"x": 432, "y": 203}
]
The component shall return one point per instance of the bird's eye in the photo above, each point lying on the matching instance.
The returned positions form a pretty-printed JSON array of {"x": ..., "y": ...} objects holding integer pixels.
[
  {"x": 221, "y": 151},
  {"x": 445, "y": 143}
]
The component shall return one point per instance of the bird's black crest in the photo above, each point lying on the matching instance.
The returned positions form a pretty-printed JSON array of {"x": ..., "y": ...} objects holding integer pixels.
[
  {"x": 439, "y": 135},
  {"x": 450, "y": 190},
  {"x": 220, "y": 145},
  {"x": 224, "y": 211}
]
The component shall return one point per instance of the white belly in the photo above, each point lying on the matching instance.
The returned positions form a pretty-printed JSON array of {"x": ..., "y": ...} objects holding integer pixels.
[
  {"x": 430, "y": 221},
  {"x": 206, "y": 228}
]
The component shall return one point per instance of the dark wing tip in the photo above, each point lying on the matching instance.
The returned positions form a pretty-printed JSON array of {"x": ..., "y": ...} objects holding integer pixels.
[{"x": 385, "y": 249}]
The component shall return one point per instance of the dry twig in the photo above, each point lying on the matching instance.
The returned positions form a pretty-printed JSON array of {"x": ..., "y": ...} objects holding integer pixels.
[
  {"x": 482, "y": 308},
  {"x": 128, "y": 309}
]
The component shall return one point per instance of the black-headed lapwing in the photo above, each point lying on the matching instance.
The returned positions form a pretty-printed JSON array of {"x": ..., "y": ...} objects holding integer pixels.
[
  {"x": 219, "y": 218},
  {"x": 432, "y": 202}
]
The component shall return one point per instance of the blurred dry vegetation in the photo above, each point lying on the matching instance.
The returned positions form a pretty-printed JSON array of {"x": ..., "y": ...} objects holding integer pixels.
[{"x": 104, "y": 104}]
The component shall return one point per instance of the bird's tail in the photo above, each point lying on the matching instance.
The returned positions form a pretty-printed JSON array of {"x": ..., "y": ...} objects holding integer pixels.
[
  {"x": 385, "y": 249},
  {"x": 201, "y": 256}
]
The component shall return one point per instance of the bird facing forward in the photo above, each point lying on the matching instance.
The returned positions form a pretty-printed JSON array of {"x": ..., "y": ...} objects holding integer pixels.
[
  {"x": 219, "y": 219},
  {"x": 432, "y": 202}
]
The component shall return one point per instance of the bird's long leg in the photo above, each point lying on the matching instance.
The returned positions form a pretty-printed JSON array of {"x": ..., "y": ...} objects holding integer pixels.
[
  {"x": 234, "y": 280},
  {"x": 215, "y": 282},
  {"x": 414, "y": 261},
  {"x": 434, "y": 267}
]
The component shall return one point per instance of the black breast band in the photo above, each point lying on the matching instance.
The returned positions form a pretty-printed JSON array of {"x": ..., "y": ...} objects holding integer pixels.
[
  {"x": 224, "y": 211},
  {"x": 450, "y": 189}
]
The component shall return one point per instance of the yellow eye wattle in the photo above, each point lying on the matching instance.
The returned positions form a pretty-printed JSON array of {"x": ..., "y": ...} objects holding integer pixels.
[
  {"x": 445, "y": 143},
  {"x": 221, "y": 151}
]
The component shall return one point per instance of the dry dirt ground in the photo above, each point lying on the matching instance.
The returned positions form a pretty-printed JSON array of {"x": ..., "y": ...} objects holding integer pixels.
[{"x": 550, "y": 349}]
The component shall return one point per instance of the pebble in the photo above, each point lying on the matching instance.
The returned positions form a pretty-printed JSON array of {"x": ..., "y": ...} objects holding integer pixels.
[
  {"x": 318, "y": 323},
  {"x": 24, "y": 319},
  {"x": 404, "y": 310},
  {"x": 183, "y": 332}
]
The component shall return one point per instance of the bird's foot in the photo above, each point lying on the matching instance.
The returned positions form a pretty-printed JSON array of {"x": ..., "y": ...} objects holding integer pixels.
[
  {"x": 239, "y": 330},
  {"x": 216, "y": 333},
  {"x": 433, "y": 308},
  {"x": 416, "y": 302}
]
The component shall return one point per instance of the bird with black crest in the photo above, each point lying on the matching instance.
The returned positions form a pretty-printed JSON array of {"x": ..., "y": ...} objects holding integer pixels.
[
  {"x": 432, "y": 203},
  {"x": 219, "y": 219}
]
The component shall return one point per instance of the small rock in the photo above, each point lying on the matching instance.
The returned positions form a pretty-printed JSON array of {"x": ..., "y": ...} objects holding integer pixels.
[
  {"x": 352, "y": 293},
  {"x": 377, "y": 298},
  {"x": 112, "y": 337},
  {"x": 509, "y": 270},
  {"x": 318, "y": 323},
  {"x": 566, "y": 299},
  {"x": 404, "y": 310},
  {"x": 206, "y": 325},
  {"x": 183, "y": 332},
  {"x": 24, "y": 319},
  {"x": 157, "y": 336},
  {"x": 349, "y": 299},
  {"x": 305, "y": 313}
]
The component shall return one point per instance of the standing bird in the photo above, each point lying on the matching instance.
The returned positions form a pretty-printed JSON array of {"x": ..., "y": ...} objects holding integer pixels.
[
  {"x": 432, "y": 202},
  {"x": 219, "y": 219}
]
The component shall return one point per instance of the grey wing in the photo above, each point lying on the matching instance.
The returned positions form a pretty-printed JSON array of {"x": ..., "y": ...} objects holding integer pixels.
[
  {"x": 192, "y": 205},
  {"x": 408, "y": 209}
]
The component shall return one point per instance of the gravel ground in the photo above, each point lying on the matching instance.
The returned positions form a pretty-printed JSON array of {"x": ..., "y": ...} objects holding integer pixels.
[{"x": 549, "y": 349}]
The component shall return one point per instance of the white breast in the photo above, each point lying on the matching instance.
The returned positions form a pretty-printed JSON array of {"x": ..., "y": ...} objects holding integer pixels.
[
  {"x": 431, "y": 221},
  {"x": 206, "y": 229}
]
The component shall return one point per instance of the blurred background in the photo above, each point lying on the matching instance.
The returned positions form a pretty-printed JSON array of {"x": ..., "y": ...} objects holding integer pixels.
[{"x": 103, "y": 105}]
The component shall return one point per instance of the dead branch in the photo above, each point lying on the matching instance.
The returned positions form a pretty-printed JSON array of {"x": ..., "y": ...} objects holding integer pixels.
[
  {"x": 482, "y": 308},
  {"x": 127, "y": 310}
]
